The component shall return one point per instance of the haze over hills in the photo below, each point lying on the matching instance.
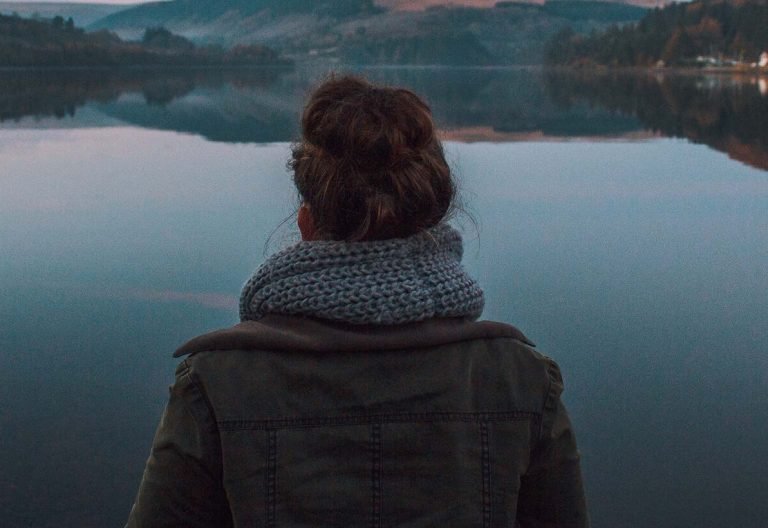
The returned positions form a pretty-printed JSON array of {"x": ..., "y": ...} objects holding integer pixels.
[
  {"x": 363, "y": 31},
  {"x": 86, "y": 13},
  {"x": 82, "y": 14},
  {"x": 57, "y": 43}
]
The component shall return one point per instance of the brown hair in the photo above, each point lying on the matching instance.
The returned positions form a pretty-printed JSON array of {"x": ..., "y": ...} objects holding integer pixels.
[{"x": 369, "y": 164}]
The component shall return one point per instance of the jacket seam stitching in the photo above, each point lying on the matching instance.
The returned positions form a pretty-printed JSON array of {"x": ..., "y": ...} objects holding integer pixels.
[
  {"x": 522, "y": 339},
  {"x": 376, "y": 463},
  {"x": 196, "y": 386},
  {"x": 324, "y": 421},
  {"x": 271, "y": 477},
  {"x": 486, "y": 473},
  {"x": 193, "y": 381},
  {"x": 550, "y": 397}
]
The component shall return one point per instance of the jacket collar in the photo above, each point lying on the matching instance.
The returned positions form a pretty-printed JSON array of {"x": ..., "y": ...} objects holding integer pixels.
[{"x": 292, "y": 333}]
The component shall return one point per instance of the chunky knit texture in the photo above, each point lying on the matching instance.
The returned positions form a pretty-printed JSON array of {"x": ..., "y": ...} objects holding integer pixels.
[{"x": 372, "y": 282}]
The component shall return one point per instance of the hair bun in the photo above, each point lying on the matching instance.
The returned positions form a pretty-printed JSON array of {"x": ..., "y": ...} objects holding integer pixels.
[
  {"x": 370, "y": 164},
  {"x": 366, "y": 127}
]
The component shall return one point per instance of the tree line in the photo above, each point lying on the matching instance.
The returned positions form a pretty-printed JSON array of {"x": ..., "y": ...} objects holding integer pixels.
[
  {"x": 59, "y": 43},
  {"x": 676, "y": 35}
]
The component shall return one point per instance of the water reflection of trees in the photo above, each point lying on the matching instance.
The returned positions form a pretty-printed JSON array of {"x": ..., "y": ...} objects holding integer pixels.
[
  {"x": 505, "y": 101},
  {"x": 60, "y": 93},
  {"x": 262, "y": 105},
  {"x": 728, "y": 113}
]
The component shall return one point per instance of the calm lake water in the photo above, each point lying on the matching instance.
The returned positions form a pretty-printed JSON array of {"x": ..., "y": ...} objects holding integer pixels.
[{"x": 622, "y": 225}]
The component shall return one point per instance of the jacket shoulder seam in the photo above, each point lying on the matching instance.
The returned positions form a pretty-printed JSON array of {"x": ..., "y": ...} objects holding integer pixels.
[
  {"x": 363, "y": 419},
  {"x": 552, "y": 393},
  {"x": 185, "y": 371}
]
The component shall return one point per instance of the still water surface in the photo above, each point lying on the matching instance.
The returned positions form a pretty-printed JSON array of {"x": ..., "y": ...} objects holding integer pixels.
[{"x": 628, "y": 239}]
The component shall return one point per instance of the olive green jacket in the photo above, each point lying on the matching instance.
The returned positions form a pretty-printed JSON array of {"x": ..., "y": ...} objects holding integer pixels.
[{"x": 294, "y": 422}]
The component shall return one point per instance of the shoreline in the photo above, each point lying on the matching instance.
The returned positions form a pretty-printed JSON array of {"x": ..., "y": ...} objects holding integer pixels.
[
  {"x": 739, "y": 71},
  {"x": 137, "y": 67},
  {"x": 679, "y": 70}
]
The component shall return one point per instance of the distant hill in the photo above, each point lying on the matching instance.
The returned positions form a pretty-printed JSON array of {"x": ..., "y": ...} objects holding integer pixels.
[
  {"x": 421, "y": 5},
  {"x": 83, "y": 14},
  {"x": 198, "y": 12},
  {"x": 362, "y": 31},
  {"x": 60, "y": 43},
  {"x": 723, "y": 31}
]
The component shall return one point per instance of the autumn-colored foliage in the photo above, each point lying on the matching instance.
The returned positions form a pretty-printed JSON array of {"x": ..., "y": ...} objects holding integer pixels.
[{"x": 676, "y": 35}]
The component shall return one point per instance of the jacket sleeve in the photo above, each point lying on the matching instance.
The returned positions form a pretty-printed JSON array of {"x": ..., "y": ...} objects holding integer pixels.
[
  {"x": 552, "y": 492},
  {"x": 182, "y": 482}
]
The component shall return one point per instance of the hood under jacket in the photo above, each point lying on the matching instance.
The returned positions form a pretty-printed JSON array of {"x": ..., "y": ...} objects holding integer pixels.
[{"x": 296, "y": 422}]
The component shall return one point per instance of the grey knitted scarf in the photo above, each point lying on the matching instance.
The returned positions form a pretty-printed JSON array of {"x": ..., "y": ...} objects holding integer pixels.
[{"x": 371, "y": 282}]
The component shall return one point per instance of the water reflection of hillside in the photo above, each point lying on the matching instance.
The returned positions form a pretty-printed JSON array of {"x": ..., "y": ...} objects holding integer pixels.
[
  {"x": 155, "y": 99},
  {"x": 727, "y": 113},
  {"x": 263, "y": 105}
]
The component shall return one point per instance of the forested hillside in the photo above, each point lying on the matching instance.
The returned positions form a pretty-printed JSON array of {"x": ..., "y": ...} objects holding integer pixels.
[
  {"x": 361, "y": 31},
  {"x": 60, "y": 43},
  {"x": 421, "y": 5},
  {"x": 736, "y": 30},
  {"x": 202, "y": 11},
  {"x": 81, "y": 13}
]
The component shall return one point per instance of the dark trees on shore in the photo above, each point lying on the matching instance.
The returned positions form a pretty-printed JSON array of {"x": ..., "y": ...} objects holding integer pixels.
[
  {"x": 676, "y": 34},
  {"x": 58, "y": 42}
]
